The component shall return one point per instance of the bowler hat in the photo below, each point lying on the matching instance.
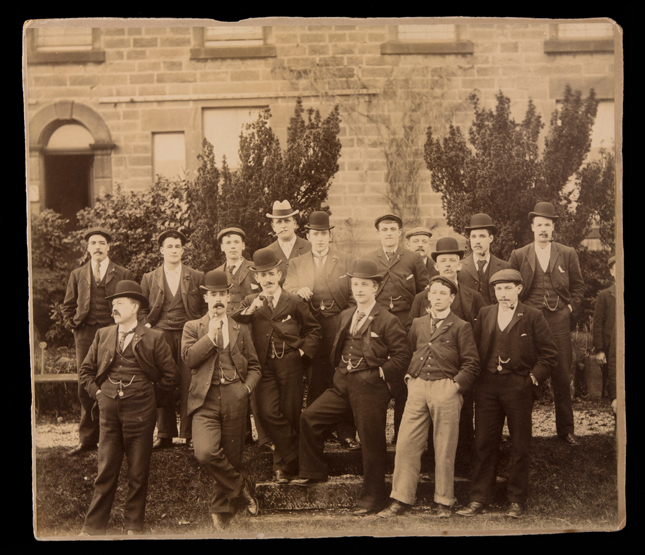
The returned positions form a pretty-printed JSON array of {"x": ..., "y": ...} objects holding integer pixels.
[
  {"x": 319, "y": 221},
  {"x": 447, "y": 245},
  {"x": 388, "y": 217},
  {"x": 216, "y": 280},
  {"x": 131, "y": 290},
  {"x": 481, "y": 221},
  {"x": 265, "y": 260},
  {"x": 97, "y": 231},
  {"x": 444, "y": 281},
  {"x": 365, "y": 269},
  {"x": 611, "y": 261},
  {"x": 282, "y": 209},
  {"x": 231, "y": 231},
  {"x": 418, "y": 231},
  {"x": 506, "y": 276},
  {"x": 544, "y": 209},
  {"x": 174, "y": 233}
]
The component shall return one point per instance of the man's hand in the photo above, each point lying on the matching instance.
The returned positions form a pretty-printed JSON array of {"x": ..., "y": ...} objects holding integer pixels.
[
  {"x": 255, "y": 305},
  {"x": 601, "y": 357},
  {"x": 305, "y": 293},
  {"x": 213, "y": 326},
  {"x": 147, "y": 325},
  {"x": 614, "y": 405}
]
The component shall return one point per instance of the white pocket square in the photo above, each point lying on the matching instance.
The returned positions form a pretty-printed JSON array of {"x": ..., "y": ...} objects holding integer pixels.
[
  {"x": 372, "y": 334},
  {"x": 253, "y": 286},
  {"x": 287, "y": 318},
  {"x": 523, "y": 335},
  {"x": 560, "y": 268},
  {"x": 409, "y": 277}
]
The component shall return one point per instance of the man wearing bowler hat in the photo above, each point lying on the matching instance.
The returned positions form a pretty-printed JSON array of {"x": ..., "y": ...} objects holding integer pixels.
[
  {"x": 480, "y": 264},
  {"x": 404, "y": 275},
  {"x": 286, "y": 337},
  {"x": 85, "y": 310},
  {"x": 418, "y": 240},
  {"x": 174, "y": 298},
  {"x": 287, "y": 245},
  {"x": 517, "y": 352},
  {"x": 320, "y": 278},
  {"x": 124, "y": 368},
  {"x": 553, "y": 283},
  {"x": 225, "y": 371},
  {"x": 370, "y": 354}
]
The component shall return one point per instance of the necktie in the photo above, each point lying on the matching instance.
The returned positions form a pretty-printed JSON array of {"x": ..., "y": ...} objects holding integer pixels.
[
  {"x": 220, "y": 336},
  {"x": 319, "y": 260},
  {"x": 389, "y": 254},
  {"x": 435, "y": 321},
  {"x": 97, "y": 273},
  {"x": 230, "y": 269},
  {"x": 270, "y": 302},
  {"x": 480, "y": 273},
  {"x": 359, "y": 316},
  {"x": 122, "y": 336}
]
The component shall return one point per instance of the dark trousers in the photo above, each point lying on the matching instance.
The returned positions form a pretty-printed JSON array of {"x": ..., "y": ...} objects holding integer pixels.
[
  {"x": 365, "y": 395},
  {"x": 166, "y": 417},
  {"x": 263, "y": 437},
  {"x": 88, "y": 430},
  {"x": 559, "y": 322},
  {"x": 219, "y": 426},
  {"x": 127, "y": 427},
  {"x": 401, "y": 395},
  {"x": 279, "y": 397},
  {"x": 500, "y": 396}
]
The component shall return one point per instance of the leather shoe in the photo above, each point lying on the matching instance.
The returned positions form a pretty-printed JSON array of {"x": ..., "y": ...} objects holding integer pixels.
[
  {"x": 81, "y": 448},
  {"x": 219, "y": 522},
  {"x": 473, "y": 508},
  {"x": 396, "y": 508},
  {"x": 350, "y": 444},
  {"x": 443, "y": 511},
  {"x": 570, "y": 439},
  {"x": 515, "y": 510},
  {"x": 303, "y": 482},
  {"x": 281, "y": 477},
  {"x": 362, "y": 511},
  {"x": 251, "y": 502},
  {"x": 162, "y": 443}
]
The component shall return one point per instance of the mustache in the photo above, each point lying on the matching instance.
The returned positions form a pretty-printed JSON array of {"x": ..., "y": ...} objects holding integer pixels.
[{"x": 219, "y": 305}]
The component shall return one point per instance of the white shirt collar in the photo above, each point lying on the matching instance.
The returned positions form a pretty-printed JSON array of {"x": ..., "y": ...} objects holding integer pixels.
[
  {"x": 323, "y": 255},
  {"x": 276, "y": 296},
  {"x": 390, "y": 250},
  {"x": 288, "y": 243},
  {"x": 443, "y": 315},
  {"x": 176, "y": 271},
  {"x": 224, "y": 320},
  {"x": 486, "y": 259},
  {"x": 504, "y": 317},
  {"x": 121, "y": 328},
  {"x": 234, "y": 266},
  {"x": 366, "y": 311}
]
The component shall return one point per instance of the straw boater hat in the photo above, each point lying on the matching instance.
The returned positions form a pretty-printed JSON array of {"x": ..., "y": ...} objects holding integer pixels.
[
  {"x": 506, "y": 276},
  {"x": 365, "y": 269},
  {"x": 444, "y": 281},
  {"x": 265, "y": 260},
  {"x": 393, "y": 217},
  {"x": 319, "y": 221},
  {"x": 481, "y": 221},
  {"x": 418, "y": 231},
  {"x": 131, "y": 290},
  {"x": 447, "y": 245},
  {"x": 231, "y": 231},
  {"x": 97, "y": 231},
  {"x": 171, "y": 232},
  {"x": 544, "y": 209},
  {"x": 282, "y": 209},
  {"x": 216, "y": 280}
]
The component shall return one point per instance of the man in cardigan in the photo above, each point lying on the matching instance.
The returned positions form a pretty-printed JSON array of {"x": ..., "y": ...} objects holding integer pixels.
[
  {"x": 444, "y": 365},
  {"x": 604, "y": 332},
  {"x": 370, "y": 355},
  {"x": 225, "y": 371},
  {"x": 287, "y": 245},
  {"x": 478, "y": 266},
  {"x": 286, "y": 337},
  {"x": 517, "y": 352},
  {"x": 85, "y": 310},
  {"x": 418, "y": 240},
  {"x": 553, "y": 283},
  {"x": 320, "y": 278},
  {"x": 174, "y": 298},
  {"x": 125, "y": 367}
]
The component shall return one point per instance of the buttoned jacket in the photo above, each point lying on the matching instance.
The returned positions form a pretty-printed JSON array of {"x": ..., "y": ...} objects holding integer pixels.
[
  {"x": 471, "y": 303},
  {"x": 468, "y": 275},
  {"x": 300, "y": 247},
  {"x": 246, "y": 282}
]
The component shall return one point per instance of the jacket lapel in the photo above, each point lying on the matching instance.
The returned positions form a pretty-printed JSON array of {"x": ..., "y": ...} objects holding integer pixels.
[
  {"x": 244, "y": 269},
  {"x": 283, "y": 304},
  {"x": 184, "y": 281},
  {"x": 555, "y": 255},
  {"x": 365, "y": 324},
  {"x": 519, "y": 313},
  {"x": 233, "y": 332},
  {"x": 531, "y": 258},
  {"x": 109, "y": 274},
  {"x": 469, "y": 266},
  {"x": 445, "y": 325},
  {"x": 159, "y": 280},
  {"x": 138, "y": 334}
]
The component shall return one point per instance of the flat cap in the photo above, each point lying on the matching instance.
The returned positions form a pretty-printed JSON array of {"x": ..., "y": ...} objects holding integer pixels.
[
  {"x": 171, "y": 233},
  {"x": 444, "y": 281},
  {"x": 418, "y": 231},
  {"x": 97, "y": 231},
  {"x": 229, "y": 231},
  {"x": 393, "y": 217},
  {"x": 506, "y": 276}
]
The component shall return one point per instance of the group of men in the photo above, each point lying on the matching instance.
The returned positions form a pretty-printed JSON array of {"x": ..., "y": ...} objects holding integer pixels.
[{"x": 416, "y": 325}]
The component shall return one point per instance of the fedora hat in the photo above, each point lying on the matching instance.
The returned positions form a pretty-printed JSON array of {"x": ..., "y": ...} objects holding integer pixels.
[
  {"x": 481, "y": 221},
  {"x": 544, "y": 209},
  {"x": 388, "y": 217},
  {"x": 444, "y": 281},
  {"x": 97, "y": 231},
  {"x": 175, "y": 233},
  {"x": 447, "y": 245},
  {"x": 319, "y": 221},
  {"x": 231, "y": 231},
  {"x": 265, "y": 260},
  {"x": 506, "y": 276},
  {"x": 216, "y": 280},
  {"x": 418, "y": 231},
  {"x": 365, "y": 269},
  {"x": 282, "y": 209},
  {"x": 131, "y": 290}
]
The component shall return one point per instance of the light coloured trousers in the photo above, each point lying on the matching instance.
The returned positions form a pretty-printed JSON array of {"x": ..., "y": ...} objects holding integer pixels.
[{"x": 440, "y": 402}]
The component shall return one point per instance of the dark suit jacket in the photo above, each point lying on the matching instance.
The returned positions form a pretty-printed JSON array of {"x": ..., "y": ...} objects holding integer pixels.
[
  {"x": 407, "y": 272},
  {"x": 565, "y": 271},
  {"x": 76, "y": 305},
  {"x": 150, "y": 349},
  {"x": 301, "y": 247},
  {"x": 604, "y": 320},
  {"x": 531, "y": 343},
  {"x": 246, "y": 280},
  {"x": 452, "y": 345},
  {"x": 432, "y": 271},
  {"x": 199, "y": 352},
  {"x": 291, "y": 321},
  {"x": 192, "y": 296},
  {"x": 383, "y": 341},
  {"x": 301, "y": 274},
  {"x": 468, "y": 274},
  {"x": 471, "y": 303}
]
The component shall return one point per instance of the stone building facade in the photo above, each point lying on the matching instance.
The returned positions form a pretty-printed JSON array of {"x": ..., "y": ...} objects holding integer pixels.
[{"x": 108, "y": 105}]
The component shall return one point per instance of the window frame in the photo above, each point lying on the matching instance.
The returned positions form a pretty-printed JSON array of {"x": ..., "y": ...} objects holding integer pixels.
[
  {"x": 202, "y": 52},
  {"x": 556, "y": 45},
  {"x": 458, "y": 46},
  {"x": 34, "y": 56}
]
